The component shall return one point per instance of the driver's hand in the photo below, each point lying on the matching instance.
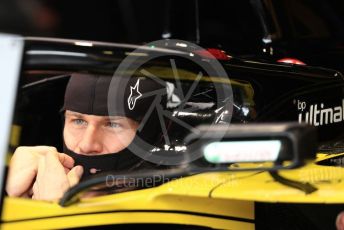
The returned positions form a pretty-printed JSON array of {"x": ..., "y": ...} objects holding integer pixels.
[
  {"x": 52, "y": 181},
  {"x": 24, "y": 166}
]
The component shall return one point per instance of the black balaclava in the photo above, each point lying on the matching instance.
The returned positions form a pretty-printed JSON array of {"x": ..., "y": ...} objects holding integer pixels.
[{"x": 129, "y": 97}]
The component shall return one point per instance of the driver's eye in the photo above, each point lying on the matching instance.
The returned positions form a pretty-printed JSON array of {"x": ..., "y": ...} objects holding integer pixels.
[
  {"x": 113, "y": 125},
  {"x": 79, "y": 121}
]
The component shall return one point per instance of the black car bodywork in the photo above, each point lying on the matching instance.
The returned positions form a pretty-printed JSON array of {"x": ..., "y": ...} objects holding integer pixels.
[{"x": 262, "y": 92}]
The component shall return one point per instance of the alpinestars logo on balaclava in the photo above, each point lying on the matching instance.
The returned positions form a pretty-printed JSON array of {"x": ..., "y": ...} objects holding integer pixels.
[{"x": 134, "y": 95}]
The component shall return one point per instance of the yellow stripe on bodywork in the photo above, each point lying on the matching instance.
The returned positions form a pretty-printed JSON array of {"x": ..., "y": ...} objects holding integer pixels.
[{"x": 128, "y": 218}]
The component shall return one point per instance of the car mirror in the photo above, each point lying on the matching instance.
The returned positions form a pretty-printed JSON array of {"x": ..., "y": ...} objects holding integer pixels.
[{"x": 254, "y": 146}]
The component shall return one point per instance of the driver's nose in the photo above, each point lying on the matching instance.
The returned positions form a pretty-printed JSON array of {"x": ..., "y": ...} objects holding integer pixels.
[{"x": 91, "y": 142}]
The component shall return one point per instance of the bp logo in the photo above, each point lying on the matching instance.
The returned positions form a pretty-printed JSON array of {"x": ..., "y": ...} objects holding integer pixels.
[{"x": 140, "y": 62}]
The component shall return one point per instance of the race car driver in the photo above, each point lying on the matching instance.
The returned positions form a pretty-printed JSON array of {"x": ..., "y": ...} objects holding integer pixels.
[{"x": 96, "y": 138}]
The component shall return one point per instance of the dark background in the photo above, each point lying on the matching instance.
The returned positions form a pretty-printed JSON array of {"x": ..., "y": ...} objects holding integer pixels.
[
  {"x": 129, "y": 21},
  {"x": 133, "y": 21},
  {"x": 295, "y": 27}
]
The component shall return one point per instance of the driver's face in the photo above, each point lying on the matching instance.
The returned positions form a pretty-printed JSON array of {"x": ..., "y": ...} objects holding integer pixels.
[{"x": 92, "y": 135}]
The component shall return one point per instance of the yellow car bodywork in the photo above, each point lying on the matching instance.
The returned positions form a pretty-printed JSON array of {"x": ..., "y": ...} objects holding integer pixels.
[{"x": 221, "y": 200}]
